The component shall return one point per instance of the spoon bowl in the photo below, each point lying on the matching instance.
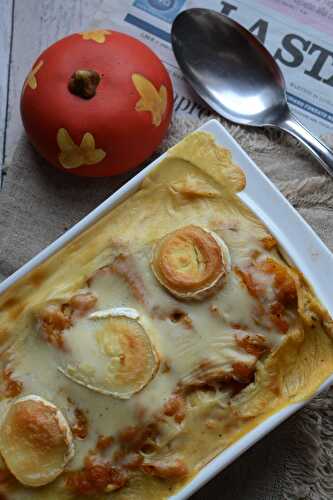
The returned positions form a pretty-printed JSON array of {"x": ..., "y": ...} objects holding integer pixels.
[{"x": 236, "y": 76}]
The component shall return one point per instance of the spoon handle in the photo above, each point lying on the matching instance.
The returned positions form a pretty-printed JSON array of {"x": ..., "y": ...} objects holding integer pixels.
[{"x": 319, "y": 150}]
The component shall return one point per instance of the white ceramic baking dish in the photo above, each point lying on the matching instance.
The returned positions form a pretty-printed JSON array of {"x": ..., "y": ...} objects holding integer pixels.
[{"x": 295, "y": 236}]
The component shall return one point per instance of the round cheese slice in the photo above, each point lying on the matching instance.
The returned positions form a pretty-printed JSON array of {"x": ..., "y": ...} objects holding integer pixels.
[
  {"x": 191, "y": 262},
  {"x": 35, "y": 441},
  {"x": 110, "y": 353}
]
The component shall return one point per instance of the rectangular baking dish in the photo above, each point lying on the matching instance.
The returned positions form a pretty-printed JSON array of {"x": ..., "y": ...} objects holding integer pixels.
[{"x": 295, "y": 236}]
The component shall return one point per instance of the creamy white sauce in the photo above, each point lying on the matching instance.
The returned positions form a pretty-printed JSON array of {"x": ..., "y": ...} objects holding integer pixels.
[
  {"x": 210, "y": 338},
  {"x": 115, "y": 312}
]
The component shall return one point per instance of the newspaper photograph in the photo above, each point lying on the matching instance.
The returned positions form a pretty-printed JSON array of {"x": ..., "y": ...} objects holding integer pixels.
[{"x": 298, "y": 33}]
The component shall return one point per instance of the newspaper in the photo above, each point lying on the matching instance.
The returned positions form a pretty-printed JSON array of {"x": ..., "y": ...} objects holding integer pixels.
[{"x": 298, "y": 33}]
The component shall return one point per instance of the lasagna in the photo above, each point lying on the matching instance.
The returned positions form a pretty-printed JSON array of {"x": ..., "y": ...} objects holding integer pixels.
[{"x": 154, "y": 340}]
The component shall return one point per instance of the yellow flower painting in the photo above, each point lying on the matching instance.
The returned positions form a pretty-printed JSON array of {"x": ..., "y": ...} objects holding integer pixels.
[
  {"x": 31, "y": 79},
  {"x": 73, "y": 156},
  {"x": 98, "y": 36},
  {"x": 152, "y": 100}
]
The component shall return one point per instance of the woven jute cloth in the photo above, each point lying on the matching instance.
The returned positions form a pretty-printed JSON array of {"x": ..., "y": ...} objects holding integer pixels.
[{"x": 39, "y": 203}]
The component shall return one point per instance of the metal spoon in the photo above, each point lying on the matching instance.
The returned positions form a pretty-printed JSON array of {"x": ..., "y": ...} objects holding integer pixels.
[{"x": 234, "y": 73}]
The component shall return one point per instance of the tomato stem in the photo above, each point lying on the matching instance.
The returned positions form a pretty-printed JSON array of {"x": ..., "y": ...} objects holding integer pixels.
[{"x": 84, "y": 83}]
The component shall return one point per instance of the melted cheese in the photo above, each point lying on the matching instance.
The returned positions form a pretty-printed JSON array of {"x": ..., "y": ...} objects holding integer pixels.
[
  {"x": 196, "y": 184},
  {"x": 35, "y": 441},
  {"x": 210, "y": 339}
]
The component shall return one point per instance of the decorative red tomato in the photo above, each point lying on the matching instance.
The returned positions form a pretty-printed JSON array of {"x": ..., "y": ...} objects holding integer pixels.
[{"x": 97, "y": 103}]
